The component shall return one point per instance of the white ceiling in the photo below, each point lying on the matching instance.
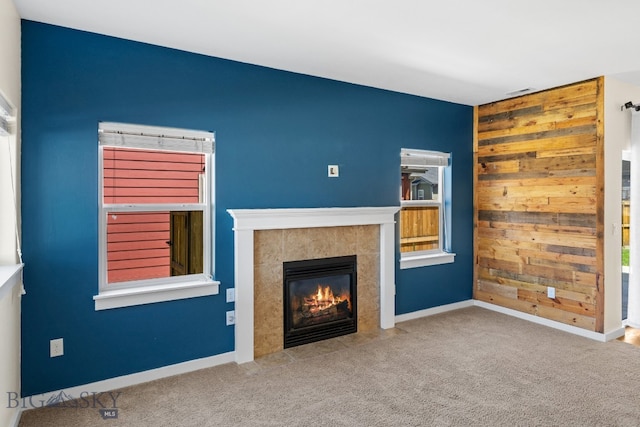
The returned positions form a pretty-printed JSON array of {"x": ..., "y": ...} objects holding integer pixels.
[{"x": 465, "y": 51}]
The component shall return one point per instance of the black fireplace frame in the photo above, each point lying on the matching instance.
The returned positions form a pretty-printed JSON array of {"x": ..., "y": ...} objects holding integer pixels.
[{"x": 308, "y": 269}]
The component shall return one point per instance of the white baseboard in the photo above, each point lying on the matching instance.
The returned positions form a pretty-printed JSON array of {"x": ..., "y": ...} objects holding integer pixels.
[
  {"x": 615, "y": 334},
  {"x": 15, "y": 420},
  {"x": 220, "y": 359},
  {"x": 608, "y": 336},
  {"x": 632, "y": 324},
  {"x": 138, "y": 377},
  {"x": 435, "y": 310},
  {"x": 597, "y": 336}
]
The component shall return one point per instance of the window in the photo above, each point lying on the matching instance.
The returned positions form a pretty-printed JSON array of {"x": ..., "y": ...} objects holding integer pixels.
[
  {"x": 423, "y": 222},
  {"x": 155, "y": 207},
  {"x": 9, "y": 156},
  {"x": 7, "y": 117}
]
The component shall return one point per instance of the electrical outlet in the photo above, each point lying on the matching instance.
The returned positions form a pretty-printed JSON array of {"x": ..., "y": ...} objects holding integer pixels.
[
  {"x": 551, "y": 292},
  {"x": 231, "y": 294},
  {"x": 56, "y": 347},
  {"x": 231, "y": 317}
]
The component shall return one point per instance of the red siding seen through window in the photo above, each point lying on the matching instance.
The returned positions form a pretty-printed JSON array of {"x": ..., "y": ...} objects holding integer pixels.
[
  {"x": 140, "y": 176},
  {"x": 137, "y": 245}
]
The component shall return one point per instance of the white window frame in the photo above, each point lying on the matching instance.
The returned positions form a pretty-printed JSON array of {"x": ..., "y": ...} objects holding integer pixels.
[
  {"x": 9, "y": 154},
  {"x": 147, "y": 291},
  {"x": 427, "y": 159}
]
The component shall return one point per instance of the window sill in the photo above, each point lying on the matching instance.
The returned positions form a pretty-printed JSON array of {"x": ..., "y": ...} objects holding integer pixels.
[
  {"x": 413, "y": 260},
  {"x": 157, "y": 293},
  {"x": 9, "y": 277}
]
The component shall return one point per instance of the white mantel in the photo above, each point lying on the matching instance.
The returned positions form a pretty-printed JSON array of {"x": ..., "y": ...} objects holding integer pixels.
[{"x": 246, "y": 221}]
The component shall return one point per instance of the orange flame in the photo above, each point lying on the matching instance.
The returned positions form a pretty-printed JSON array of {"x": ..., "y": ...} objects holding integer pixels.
[{"x": 324, "y": 299}]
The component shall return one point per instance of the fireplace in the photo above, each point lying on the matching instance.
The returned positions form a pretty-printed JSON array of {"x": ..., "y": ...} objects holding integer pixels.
[
  {"x": 319, "y": 299},
  {"x": 265, "y": 238}
]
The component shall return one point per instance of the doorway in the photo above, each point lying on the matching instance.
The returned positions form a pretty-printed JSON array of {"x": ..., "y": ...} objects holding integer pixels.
[
  {"x": 626, "y": 230},
  {"x": 186, "y": 243}
]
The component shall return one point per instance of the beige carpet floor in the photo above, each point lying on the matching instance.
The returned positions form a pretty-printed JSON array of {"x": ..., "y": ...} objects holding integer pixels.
[{"x": 470, "y": 367}]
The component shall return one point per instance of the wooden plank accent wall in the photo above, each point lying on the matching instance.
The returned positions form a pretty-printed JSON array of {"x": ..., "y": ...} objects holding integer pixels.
[{"x": 539, "y": 204}]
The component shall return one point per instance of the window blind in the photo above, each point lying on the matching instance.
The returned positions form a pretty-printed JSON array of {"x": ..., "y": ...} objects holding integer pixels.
[
  {"x": 421, "y": 159},
  {"x": 155, "y": 138}
]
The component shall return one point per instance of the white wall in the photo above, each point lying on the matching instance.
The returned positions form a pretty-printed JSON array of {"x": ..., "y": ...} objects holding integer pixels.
[
  {"x": 9, "y": 352},
  {"x": 10, "y": 303},
  {"x": 617, "y": 138}
]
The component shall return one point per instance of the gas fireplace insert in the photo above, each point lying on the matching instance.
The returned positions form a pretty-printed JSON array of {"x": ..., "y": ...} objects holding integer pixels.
[{"x": 319, "y": 299}]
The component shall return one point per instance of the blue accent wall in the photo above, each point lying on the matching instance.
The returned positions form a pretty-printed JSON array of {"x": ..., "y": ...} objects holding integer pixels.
[{"x": 276, "y": 132}]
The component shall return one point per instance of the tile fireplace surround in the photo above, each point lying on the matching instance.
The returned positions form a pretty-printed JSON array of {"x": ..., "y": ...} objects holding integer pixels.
[{"x": 285, "y": 224}]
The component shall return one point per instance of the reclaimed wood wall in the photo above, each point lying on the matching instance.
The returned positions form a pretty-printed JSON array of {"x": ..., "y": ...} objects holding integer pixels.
[{"x": 539, "y": 204}]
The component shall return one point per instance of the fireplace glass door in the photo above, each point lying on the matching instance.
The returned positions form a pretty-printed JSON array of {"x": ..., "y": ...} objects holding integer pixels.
[{"x": 319, "y": 299}]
